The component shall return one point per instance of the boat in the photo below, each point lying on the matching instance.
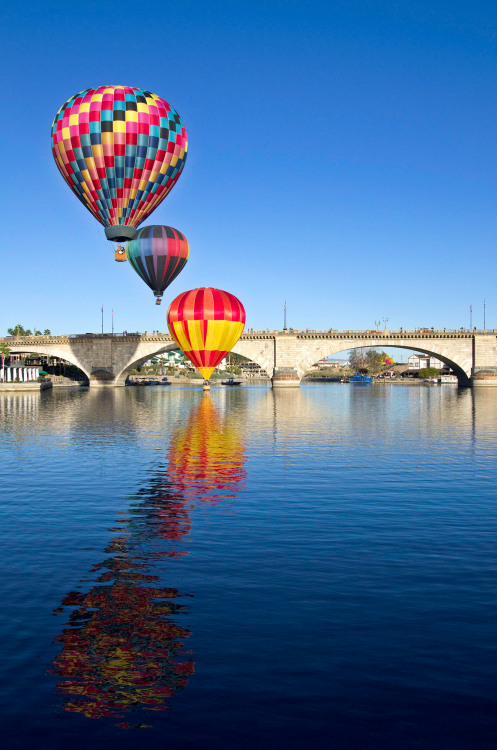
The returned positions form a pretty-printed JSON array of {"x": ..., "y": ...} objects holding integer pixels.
[
  {"x": 149, "y": 381},
  {"x": 361, "y": 379},
  {"x": 231, "y": 381}
]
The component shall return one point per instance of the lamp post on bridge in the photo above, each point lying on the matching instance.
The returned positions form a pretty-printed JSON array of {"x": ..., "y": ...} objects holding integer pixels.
[{"x": 385, "y": 320}]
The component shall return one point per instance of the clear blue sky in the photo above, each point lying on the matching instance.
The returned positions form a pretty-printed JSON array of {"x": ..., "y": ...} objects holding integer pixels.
[{"x": 342, "y": 156}]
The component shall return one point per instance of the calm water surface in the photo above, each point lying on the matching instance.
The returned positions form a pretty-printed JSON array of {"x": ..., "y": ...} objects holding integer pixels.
[{"x": 249, "y": 568}]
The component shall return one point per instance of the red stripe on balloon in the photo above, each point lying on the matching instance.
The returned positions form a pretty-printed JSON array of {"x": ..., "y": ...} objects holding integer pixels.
[{"x": 198, "y": 304}]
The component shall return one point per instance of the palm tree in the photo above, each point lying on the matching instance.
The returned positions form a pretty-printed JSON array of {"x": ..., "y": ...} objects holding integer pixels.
[{"x": 4, "y": 352}]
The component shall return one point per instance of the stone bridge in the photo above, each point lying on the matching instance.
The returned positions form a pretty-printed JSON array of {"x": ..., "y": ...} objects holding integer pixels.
[{"x": 286, "y": 356}]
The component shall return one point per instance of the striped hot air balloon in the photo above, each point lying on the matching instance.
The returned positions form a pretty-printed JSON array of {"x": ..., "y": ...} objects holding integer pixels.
[
  {"x": 206, "y": 323},
  {"x": 121, "y": 150},
  {"x": 158, "y": 254}
]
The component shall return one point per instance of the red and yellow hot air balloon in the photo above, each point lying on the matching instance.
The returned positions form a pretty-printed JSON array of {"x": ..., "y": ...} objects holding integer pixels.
[{"x": 206, "y": 323}]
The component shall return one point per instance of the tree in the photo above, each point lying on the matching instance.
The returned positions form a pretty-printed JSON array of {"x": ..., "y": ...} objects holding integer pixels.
[
  {"x": 374, "y": 361},
  {"x": 368, "y": 360},
  {"x": 357, "y": 358},
  {"x": 4, "y": 353},
  {"x": 428, "y": 372},
  {"x": 18, "y": 330}
]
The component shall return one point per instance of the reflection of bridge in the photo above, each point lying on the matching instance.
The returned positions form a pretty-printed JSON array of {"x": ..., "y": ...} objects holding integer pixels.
[{"x": 286, "y": 356}]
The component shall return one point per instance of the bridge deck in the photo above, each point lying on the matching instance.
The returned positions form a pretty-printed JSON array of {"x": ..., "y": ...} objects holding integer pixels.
[{"x": 251, "y": 335}]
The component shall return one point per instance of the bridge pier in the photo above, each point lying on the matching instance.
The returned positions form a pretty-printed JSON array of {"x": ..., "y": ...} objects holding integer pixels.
[
  {"x": 286, "y": 356},
  {"x": 485, "y": 378},
  {"x": 484, "y": 371},
  {"x": 101, "y": 377},
  {"x": 286, "y": 377},
  {"x": 110, "y": 383}
]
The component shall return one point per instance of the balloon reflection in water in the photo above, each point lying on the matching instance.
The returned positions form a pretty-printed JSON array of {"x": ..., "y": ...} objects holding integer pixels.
[
  {"x": 122, "y": 650},
  {"x": 162, "y": 513},
  {"x": 206, "y": 456}
]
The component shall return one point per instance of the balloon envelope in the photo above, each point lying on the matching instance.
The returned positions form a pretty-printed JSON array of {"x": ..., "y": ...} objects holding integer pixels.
[
  {"x": 206, "y": 323},
  {"x": 121, "y": 150},
  {"x": 158, "y": 254}
]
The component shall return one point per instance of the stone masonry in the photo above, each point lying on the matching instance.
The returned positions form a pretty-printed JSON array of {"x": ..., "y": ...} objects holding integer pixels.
[{"x": 106, "y": 359}]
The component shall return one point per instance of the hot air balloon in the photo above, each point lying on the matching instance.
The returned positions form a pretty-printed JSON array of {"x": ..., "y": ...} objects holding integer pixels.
[
  {"x": 158, "y": 254},
  {"x": 206, "y": 323},
  {"x": 387, "y": 360},
  {"x": 121, "y": 150}
]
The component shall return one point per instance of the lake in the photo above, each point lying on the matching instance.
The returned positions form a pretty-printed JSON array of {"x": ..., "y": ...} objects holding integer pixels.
[{"x": 249, "y": 568}]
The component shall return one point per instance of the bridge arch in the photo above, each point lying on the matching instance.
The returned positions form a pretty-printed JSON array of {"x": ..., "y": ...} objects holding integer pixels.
[
  {"x": 152, "y": 351},
  {"x": 460, "y": 365},
  {"x": 258, "y": 350},
  {"x": 62, "y": 352},
  {"x": 173, "y": 347}
]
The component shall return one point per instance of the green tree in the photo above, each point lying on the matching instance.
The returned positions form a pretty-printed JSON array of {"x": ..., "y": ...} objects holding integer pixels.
[
  {"x": 46, "y": 332},
  {"x": 428, "y": 372},
  {"x": 4, "y": 354},
  {"x": 18, "y": 330},
  {"x": 374, "y": 361}
]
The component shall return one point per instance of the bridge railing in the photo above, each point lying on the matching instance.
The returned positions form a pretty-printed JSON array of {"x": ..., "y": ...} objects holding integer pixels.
[
  {"x": 369, "y": 333},
  {"x": 366, "y": 333}
]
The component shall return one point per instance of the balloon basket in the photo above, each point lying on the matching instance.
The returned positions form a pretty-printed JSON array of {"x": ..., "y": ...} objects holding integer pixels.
[
  {"x": 158, "y": 301},
  {"x": 206, "y": 386},
  {"x": 120, "y": 254}
]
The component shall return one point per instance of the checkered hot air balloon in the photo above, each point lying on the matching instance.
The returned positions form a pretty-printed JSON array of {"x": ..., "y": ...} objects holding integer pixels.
[
  {"x": 121, "y": 150},
  {"x": 158, "y": 254},
  {"x": 206, "y": 323}
]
